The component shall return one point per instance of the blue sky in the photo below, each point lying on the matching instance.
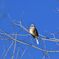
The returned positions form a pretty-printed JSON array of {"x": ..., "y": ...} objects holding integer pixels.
[{"x": 42, "y": 13}]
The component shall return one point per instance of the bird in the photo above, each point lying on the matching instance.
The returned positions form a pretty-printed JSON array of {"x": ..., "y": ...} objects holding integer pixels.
[{"x": 33, "y": 31}]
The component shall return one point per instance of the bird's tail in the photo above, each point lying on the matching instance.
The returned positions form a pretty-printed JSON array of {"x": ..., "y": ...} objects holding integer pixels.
[{"x": 37, "y": 41}]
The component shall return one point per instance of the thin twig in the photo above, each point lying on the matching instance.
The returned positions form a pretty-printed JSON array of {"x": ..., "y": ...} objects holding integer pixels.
[
  {"x": 14, "y": 47},
  {"x": 51, "y": 39},
  {"x": 17, "y": 54},
  {"x": 21, "y": 26},
  {"x": 45, "y": 53},
  {"x": 8, "y": 50},
  {"x": 23, "y": 53},
  {"x": 43, "y": 57}
]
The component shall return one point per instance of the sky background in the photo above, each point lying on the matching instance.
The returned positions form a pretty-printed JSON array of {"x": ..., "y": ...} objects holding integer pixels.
[{"x": 43, "y": 13}]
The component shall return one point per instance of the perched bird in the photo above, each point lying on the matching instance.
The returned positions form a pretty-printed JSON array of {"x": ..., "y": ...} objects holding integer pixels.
[{"x": 33, "y": 31}]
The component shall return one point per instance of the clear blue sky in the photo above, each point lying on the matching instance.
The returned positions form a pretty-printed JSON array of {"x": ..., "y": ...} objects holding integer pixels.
[{"x": 43, "y": 13}]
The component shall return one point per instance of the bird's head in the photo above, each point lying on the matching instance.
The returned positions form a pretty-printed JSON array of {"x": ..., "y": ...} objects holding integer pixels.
[{"x": 32, "y": 25}]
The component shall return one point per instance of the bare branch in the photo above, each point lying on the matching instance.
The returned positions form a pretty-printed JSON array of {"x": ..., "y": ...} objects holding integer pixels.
[{"x": 19, "y": 41}]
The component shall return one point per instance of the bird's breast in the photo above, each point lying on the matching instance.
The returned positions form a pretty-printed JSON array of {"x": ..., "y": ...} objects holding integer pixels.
[{"x": 31, "y": 31}]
